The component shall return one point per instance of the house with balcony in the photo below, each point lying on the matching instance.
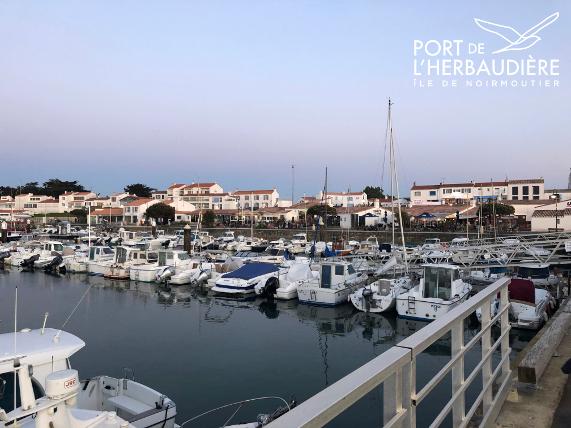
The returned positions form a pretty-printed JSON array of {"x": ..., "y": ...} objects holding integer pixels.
[
  {"x": 134, "y": 211},
  {"x": 344, "y": 199},
  {"x": 74, "y": 200},
  {"x": 472, "y": 192},
  {"x": 256, "y": 199}
]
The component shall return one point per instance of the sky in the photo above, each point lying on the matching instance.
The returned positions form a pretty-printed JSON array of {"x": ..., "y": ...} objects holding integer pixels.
[{"x": 116, "y": 92}]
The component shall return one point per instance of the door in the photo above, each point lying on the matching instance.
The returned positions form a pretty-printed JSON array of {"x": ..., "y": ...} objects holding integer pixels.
[{"x": 326, "y": 276}]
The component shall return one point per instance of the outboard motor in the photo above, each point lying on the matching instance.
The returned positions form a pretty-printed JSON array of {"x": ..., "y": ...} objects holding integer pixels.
[
  {"x": 4, "y": 255},
  {"x": 203, "y": 277},
  {"x": 29, "y": 262},
  {"x": 164, "y": 274},
  {"x": 165, "y": 244},
  {"x": 53, "y": 266}
]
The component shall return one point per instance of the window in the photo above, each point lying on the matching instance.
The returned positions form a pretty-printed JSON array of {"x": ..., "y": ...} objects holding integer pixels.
[
  {"x": 257, "y": 198},
  {"x": 525, "y": 190},
  {"x": 416, "y": 193},
  {"x": 246, "y": 198},
  {"x": 432, "y": 193},
  {"x": 515, "y": 191},
  {"x": 536, "y": 191},
  {"x": 7, "y": 399},
  {"x": 339, "y": 270},
  {"x": 266, "y": 197}
]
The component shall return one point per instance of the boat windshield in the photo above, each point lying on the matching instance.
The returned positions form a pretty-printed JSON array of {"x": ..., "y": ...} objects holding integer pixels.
[
  {"x": 58, "y": 247},
  {"x": 533, "y": 272},
  {"x": 438, "y": 282},
  {"x": 183, "y": 256}
]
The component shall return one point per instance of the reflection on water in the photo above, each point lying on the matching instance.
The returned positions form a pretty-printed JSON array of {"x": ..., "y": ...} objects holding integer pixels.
[{"x": 204, "y": 351}]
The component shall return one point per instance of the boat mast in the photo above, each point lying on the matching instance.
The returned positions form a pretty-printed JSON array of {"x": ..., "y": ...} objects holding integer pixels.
[
  {"x": 251, "y": 216},
  {"x": 394, "y": 178}
]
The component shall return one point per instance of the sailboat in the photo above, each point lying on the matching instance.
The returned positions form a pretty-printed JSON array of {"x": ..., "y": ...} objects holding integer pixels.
[{"x": 381, "y": 295}]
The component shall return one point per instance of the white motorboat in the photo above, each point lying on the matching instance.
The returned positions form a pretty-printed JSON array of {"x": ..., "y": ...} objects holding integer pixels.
[
  {"x": 381, "y": 295},
  {"x": 440, "y": 290},
  {"x": 332, "y": 287},
  {"x": 530, "y": 307},
  {"x": 49, "y": 393},
  {"x": 243, "y": 280},
  {"x": 80, "y": 264},
  {"x": 538, "y": 273},
  {"x": 488, "y": 275},
  {"x": 48, "y": 252},
  {"x": 284, "y": 287},
  {"x": 119, "y": 267}
]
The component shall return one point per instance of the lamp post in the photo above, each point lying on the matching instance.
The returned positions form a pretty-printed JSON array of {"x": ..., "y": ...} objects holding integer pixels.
[{"x": 556, "y": 196}]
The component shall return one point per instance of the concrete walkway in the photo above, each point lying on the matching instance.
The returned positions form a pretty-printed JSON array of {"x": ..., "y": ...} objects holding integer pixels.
[{"x": 545, "y": 405}]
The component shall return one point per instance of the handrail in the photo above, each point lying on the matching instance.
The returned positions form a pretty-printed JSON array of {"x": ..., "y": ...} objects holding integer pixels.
[{"x": 396, "y": 369}]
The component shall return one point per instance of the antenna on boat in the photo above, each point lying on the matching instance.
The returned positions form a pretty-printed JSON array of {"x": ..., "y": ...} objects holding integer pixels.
[{"x": 45, "y": 321}]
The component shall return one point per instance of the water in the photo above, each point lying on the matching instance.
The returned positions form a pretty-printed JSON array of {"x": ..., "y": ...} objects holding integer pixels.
[{"x": 204, "y": 352}]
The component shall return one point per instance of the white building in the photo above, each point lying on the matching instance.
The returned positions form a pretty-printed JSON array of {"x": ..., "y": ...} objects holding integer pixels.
[
  {"x": 246, "y": 199},
  {"x": 351, "y": 217},
  {"x": 74, "y": 200},
  {"x": 134, "y": 211},
  {"x": 551, "y": 217},
  {"x": 471, "y": 192},
  {"x": 344, "y": 199}
]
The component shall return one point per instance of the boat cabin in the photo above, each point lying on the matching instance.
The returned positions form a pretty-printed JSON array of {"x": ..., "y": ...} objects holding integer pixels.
[
  {"x": 172, "y": 258},
  {"x": 440, "y": 281},
  {"x": 335, "y": 273},
  {"x": 52, "y": 246},
  {"x": 99, "y": 252},
  {"x": 124, "y": 254}
]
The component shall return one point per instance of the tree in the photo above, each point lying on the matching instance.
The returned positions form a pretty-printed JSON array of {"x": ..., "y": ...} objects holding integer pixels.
[
  {"x": 80, "y": 214},
  {"x": 55, "y": 187},
  {"x": 208, "y": 218},
  {"x": 374, "y": 192},
  {"x": 320, "y": 211},
  {"x": 139, "y": 189},
  {"x": 31, "y": 187},
  {"x": 161, "y": 212},
  {"x": 500, "y": 209}
]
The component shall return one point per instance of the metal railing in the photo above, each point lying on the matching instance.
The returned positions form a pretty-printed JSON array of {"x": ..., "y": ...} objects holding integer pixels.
[{"x": 396, "y": 368}]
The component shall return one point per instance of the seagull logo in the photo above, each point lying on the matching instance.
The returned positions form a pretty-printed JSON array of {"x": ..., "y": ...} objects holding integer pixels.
[{"x": 517, "y": 41}]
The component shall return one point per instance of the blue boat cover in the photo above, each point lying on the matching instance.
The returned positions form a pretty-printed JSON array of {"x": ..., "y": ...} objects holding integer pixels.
[{"x": 251, "y": 270}]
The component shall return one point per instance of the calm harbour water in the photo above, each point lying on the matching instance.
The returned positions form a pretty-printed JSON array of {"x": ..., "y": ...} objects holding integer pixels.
[{"x": 204, "y": 352}]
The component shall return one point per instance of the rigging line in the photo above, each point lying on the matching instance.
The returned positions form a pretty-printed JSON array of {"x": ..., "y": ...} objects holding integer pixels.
[
  {"x": 74, "y": 309},
  {"x": 235, "y": 404}
]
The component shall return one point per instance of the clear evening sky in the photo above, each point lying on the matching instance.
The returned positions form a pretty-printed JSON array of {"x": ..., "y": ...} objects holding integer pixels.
[{"x": 115, "y": 92}]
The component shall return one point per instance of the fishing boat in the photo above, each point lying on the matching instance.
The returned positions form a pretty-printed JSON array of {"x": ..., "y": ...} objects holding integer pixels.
[
  {"x": 440, "y": 290},
  {"x": 336, "y": 280}
]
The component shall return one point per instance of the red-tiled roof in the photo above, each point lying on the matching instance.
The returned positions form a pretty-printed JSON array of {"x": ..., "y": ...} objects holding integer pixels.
[
  {"x": 255, "y": 192},
  {"x": 344, "y": 193},
  {"x": 107, "y": 212},
  {"x": 138, "y": 202},
  {"x": 176, "y": 186},
  {"x": 527, "y": 181},
  {"x": 49, "y": 201},
  {"x": 551, "y": 213}
]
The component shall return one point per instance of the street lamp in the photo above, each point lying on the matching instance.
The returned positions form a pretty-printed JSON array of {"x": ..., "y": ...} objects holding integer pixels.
[{"x": 556, "y": 196}]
